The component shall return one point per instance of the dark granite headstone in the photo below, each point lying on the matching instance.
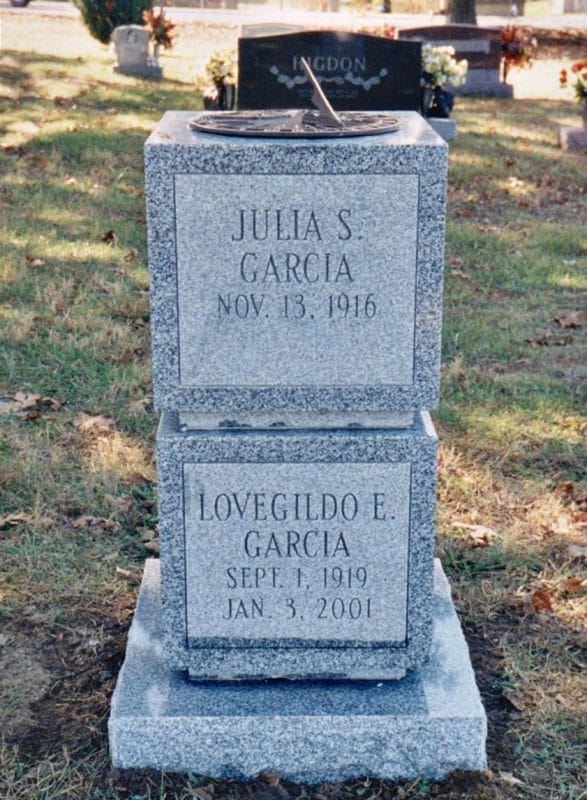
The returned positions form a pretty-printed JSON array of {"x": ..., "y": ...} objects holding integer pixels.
[
  {"x": 480, "y": 46},
  {"x": 357, "y": 72}
]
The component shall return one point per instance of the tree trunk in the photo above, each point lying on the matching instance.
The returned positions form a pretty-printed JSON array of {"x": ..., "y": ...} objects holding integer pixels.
[{"x": 462, "y": 12}]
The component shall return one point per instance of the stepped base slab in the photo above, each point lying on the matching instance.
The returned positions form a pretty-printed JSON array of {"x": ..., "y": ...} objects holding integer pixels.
[{"x": 427, "y": 724}]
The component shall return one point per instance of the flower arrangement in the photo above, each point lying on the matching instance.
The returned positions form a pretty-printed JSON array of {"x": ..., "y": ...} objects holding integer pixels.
[
  {"x": 220, "y": 68},
  {"x": 160, "y": 28},
  {"x": 439, "y": 66},
  {"x": 579, "y": 85},
  {"x": 518, "y": 48}
]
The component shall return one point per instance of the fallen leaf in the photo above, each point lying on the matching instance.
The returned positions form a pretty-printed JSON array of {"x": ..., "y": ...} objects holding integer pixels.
[
  {"x": 35, "y": 262},
  {"x": 127, "y": 356},
  {"x": 456, "y": 371},
  {"x": 53, "y": 403},
  {"x": 10, "y": 520},
  {"x": 509, "y": 778},
  {"x": 541, "y": 601},
  {"x": 132, "y": 255},
  {"x": 25, "y": 400},
  {"x": 514, "y": 701},
  {"x": 547, "y": 339},
  {"x": 70, "y": 181},
  {"x": 566, "y": 489},
  {"x": 573, "y": 585},
  {"x": 131, "y": 575},
  {"x": 574, "y": 319},
  {"x": 139, "y": 406},
  {"x": 17, "y": 150},
  {"x": 478, "y": 535},
  {"x": 89, "y": 521},
  {"x": 137, "y": 479},
  {"x": 88, "y": 423},
  {"x": 110, "y": 237}
]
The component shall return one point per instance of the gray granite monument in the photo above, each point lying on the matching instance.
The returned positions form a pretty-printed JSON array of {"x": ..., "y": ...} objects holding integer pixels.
[{"x": 296, "y": 621}]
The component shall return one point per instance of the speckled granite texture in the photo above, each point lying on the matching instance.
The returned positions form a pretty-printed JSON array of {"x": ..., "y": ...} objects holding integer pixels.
[
  {"x": 428, "y": 724},
  {"x": 297, "y": 554},
  {"x": 295, "y": 274}
]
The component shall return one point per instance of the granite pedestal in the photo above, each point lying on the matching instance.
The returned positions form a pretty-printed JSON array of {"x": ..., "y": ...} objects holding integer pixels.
[
  {"x": 297, "y": 623},
  {"x": 429, "y": 723}
]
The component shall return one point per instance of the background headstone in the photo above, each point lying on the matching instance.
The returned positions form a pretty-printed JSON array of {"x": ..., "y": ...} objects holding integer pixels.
[
  {"x": 480, "y": 46},
  {"x": 131, "y": 44},
  {"x": 356, "y": 71}
]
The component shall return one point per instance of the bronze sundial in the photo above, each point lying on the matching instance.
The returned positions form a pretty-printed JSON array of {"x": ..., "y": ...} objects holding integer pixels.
[{"x": 304, "y": 123}]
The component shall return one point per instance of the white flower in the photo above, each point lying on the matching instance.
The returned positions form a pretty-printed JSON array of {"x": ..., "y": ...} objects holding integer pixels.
[{"x": 442, "y": 67}]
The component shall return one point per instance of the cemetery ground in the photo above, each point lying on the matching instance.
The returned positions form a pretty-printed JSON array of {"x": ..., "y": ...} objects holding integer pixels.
[{"x": 77, "y": 511}]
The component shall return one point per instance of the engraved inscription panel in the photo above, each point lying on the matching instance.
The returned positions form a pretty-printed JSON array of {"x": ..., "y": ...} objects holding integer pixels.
[
  {"x": 293, "y": 280},
  {"x": 297, "y": 551}
]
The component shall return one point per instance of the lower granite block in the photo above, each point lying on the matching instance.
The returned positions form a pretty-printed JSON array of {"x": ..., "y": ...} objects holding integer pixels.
[{"x": 428, "y": 724}]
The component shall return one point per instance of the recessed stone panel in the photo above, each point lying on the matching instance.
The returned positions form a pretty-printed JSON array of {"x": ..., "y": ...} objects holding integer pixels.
[
  {"x": 300, "y": 552},
  {"x": 312, "y": 283}
]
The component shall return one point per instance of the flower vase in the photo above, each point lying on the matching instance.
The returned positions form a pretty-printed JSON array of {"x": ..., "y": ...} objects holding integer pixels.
[
  {"x": 426, "y": 100},
  {"x": 442, "y": 104},
  {"x": 156, "y": 51}
]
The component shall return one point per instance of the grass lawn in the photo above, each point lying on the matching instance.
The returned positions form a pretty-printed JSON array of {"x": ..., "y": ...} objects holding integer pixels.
[{"x": 77, "y": 509}]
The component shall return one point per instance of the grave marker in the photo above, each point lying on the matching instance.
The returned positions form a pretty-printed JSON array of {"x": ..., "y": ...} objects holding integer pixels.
[
  {"x": 480, "y": 46},
  {"x": 357, "y": 71},
  {"x": 296, "y": 466}
]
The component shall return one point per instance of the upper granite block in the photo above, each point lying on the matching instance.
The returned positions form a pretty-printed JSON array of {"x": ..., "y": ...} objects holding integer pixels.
[{"x": 291, "y": 275}]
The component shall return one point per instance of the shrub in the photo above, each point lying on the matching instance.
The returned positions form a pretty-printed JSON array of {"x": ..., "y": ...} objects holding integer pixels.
[{"x": 102, "y": 16}]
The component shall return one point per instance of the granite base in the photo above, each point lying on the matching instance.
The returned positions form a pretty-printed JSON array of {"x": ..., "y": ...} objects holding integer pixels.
[
  {"x": 447, "y": 128},
  {"x": 428, "y": 724},
  {"x": 148, "y": 71},
  {"x": 573, "y": 138}
]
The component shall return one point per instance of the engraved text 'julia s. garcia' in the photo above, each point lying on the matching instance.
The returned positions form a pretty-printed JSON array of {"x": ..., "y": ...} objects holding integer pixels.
[{"x": 285, "y": 258}]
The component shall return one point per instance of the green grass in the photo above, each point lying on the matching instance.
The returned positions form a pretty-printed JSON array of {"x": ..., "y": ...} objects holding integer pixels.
[{"x": 77, "y": 505}]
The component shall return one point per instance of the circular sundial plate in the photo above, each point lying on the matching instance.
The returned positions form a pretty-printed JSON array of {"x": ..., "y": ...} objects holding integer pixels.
[{"x": 293, "y": 124}]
